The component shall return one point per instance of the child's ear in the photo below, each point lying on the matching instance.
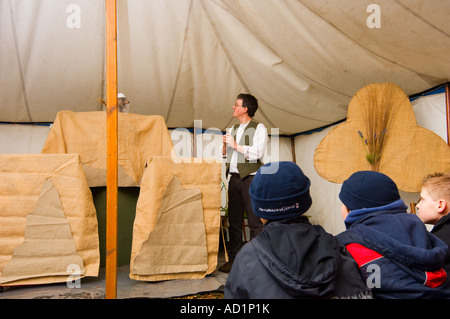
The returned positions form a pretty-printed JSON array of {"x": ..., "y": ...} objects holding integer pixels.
[{"x": 443, "y": 206}]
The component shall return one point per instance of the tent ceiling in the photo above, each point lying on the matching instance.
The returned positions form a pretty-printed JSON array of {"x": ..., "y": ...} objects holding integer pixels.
[{"x": 187, "y": 60}]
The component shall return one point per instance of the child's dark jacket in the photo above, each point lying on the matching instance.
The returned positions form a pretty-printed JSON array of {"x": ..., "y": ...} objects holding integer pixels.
[
  {"x": 442, "y": 230},
  {"x": 293, "y": 259},
  {"x": 396, "y": 254}
]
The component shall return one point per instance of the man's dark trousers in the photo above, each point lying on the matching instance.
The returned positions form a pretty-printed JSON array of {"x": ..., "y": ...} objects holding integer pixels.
[{"x": 238, "y": 202}]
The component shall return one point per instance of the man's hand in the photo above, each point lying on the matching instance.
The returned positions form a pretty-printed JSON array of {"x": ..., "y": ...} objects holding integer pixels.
[{"x": 229, "y": 140}]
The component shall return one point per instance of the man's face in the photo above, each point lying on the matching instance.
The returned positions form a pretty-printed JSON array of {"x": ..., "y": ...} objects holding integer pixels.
[
  {"x": 122, "y": 101},
  {"x": 238, "y": 109}
]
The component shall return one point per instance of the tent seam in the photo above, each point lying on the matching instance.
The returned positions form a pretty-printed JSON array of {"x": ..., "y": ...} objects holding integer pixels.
[
  {"x": 230, "y": 59},
  {"x": 367, "y": 49},
  {"x": 19, "y": 61},
  {"x": 180, "y": 65},
  {"x": 422, "y": 19}
]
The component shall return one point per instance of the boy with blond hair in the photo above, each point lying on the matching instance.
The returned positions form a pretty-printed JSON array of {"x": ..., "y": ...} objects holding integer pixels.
[
  {"x": 396, "y": 254},
  {"x": 434, "y": 207}
]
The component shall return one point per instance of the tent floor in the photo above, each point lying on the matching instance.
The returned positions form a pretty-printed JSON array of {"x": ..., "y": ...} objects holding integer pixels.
[{"x": 94, "y": 287}]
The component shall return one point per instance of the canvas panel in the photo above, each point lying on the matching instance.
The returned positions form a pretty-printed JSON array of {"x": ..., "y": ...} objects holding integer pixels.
[
  {"x": 431, "y": 113},
  {"x": 192, "y": 173},
  {"x": 50, "y": 62},
  {"x": 47, "y": 219},
  {"x": 84, "y": 133},
  {"x": 178, "y": 242},
  {"x": 48, "y": 248},
  {"x": 22, "y": 139}
]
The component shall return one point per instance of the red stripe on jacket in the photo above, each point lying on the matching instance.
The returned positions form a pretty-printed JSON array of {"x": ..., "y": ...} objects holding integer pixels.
[
  {"x": 363, "y": 255},
  {"x": 435, "y": 278}
]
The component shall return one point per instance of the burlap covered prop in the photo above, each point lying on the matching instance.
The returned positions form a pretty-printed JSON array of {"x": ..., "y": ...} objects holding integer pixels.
[
  {"x": 48, "y": 223},
  {"x": 381, "y": 133},
  {"x": 84, "y": 133},
  {"x": 176, "y": 229}
]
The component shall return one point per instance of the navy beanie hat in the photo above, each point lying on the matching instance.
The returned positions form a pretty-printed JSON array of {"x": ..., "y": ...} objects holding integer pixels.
[
  {"x": 368, "y": 189},
  {"x": 282, "y": 194}
]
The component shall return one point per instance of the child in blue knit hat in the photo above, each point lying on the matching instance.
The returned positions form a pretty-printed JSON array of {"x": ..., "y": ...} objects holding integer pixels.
[
  {"x": 291, "y": 258},
  {"x": 396, "y": 254}
]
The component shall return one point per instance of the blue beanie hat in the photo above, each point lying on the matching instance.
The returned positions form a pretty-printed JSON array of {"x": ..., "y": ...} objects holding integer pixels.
[
  {"x": 281, "y": 194},
  {"x": 366, "y": 189}
]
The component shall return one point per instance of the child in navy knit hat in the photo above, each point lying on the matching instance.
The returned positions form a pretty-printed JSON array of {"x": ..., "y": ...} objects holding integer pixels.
[
  {"x": 291, "y": 258},
  {"x": 396, "y": 254}
]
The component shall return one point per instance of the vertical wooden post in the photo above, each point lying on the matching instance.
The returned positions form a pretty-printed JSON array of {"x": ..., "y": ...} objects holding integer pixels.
[
  {"x": 447, "y": 103},
  {"x": 112, "y": 150},
  {"x": 294, "y": 159}
]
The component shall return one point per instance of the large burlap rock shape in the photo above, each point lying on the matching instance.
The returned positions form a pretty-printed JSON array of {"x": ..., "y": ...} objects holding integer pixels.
[
  {"x": 177, "y": 224},
  {"x": 84, "y": 133},
  {"x": 48, "y": 222}
]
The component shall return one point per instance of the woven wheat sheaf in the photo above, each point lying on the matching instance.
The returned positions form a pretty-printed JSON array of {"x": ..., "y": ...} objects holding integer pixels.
[{"x": 381, "y": 134}]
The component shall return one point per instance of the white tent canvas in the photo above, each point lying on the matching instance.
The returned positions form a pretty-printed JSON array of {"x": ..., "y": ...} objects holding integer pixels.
[
  {"x": 187, "y": 60},
  {"x": 431, "y": 113}
]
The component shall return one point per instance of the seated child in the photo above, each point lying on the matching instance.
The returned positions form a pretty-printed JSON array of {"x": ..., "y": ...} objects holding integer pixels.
[
  {"x": 396, "y": 254},
  {"x": 434, "y": 207},
  {"x": 290, "y": 258}
]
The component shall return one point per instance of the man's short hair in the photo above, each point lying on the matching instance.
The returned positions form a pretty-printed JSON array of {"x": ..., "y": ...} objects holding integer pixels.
[{"x": 250, "y": 102}]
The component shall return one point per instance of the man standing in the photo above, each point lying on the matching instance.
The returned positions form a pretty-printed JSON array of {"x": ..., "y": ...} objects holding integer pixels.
[{"x": 244, "y": 146}]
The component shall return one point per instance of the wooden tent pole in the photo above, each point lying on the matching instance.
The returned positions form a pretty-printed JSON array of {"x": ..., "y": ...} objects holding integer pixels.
[
  {"x": 112, "y": 150},
  {"x": 447, "y": 103}
]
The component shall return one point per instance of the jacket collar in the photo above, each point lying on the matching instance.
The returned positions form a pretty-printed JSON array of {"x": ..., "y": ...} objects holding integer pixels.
[{"x": 358, "y": 215}]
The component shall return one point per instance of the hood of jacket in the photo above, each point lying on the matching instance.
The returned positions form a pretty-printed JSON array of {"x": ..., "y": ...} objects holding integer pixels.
[
  {"x": 309, "y": 270},
  {"x": 395, "y": 234}
]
